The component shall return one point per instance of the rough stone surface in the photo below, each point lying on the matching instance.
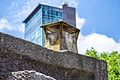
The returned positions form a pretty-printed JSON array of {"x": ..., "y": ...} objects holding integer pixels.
[
  {"x": 18, "y": 55},
  {"x": 61, "y": 36},
  {"x": 28, "y": 75}
]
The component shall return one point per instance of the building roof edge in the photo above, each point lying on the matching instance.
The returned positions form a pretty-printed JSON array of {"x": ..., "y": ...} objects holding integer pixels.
[{"x": 32, "y": 13}]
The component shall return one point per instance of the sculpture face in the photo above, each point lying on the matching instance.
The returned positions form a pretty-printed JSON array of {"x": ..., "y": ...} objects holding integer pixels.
[
  {"x": 52, "y": 37},
  {"x": 71, "y": 40},
  {"x": 61, "y": 36}
]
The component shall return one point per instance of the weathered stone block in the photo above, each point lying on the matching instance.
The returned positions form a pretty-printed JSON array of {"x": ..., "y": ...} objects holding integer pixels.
[
  {"x": 28, "y": 75},
  {"x": 18, "y": 55}
]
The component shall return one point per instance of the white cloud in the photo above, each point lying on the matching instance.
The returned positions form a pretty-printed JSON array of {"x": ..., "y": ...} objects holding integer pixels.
[
  {"x": 18, "y": 12},
  {"x": 80, "y": 22},
  {"x": 4, "y": 24},
  {"x": 21, "y": 28},
  {"x": 100, "y": 42}
]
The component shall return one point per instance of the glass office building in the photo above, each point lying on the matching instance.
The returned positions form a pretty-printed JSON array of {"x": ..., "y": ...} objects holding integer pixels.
[{"x": 42, "y": 14}]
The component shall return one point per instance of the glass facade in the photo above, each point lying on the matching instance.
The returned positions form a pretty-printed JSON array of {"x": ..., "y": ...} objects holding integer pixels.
[
  {"x": 46, "y": 14},
  {"x": 50, "y": 14}
]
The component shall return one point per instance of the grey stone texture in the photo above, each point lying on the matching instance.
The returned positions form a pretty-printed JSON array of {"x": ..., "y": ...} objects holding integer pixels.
[
  {"x": 18, "y": 55},
  {"x": 28, "y": 75}
]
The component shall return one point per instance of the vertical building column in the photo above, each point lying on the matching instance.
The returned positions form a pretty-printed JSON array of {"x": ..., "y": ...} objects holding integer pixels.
[{"x": 69, "y": 14}]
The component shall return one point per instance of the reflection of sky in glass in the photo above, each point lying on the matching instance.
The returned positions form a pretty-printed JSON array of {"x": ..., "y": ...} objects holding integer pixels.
[{"x": 46, "y": 14}]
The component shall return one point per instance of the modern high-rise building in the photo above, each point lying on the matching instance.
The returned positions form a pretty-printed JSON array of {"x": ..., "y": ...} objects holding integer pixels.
[{"x": 44, "y": 14}]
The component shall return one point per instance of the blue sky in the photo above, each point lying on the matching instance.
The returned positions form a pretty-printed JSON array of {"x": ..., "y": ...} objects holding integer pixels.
[
  {"x": 99, "y": 20},
  {"x": 103, "y": 16}
]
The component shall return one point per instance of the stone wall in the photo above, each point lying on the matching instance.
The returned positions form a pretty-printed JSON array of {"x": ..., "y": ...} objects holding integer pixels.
[{"x": 18, "y": 55}]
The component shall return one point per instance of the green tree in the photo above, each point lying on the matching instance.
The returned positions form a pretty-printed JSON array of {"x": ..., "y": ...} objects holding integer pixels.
[{"x": 112, "y": 59}]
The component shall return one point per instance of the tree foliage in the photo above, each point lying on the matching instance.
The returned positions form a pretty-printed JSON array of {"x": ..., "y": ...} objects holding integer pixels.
[{"x": 112, "y": 59}]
